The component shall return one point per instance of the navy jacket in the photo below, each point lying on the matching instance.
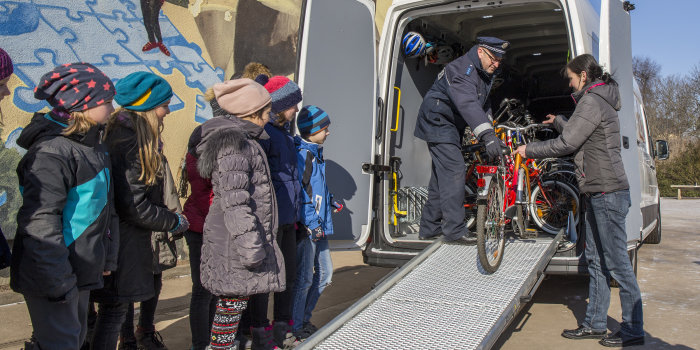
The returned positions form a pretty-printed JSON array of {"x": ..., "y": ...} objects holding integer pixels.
[
  {"x": 67, "y": 228},
  {"x": 317, "y": 200},
  {"x": 282, "y": 157},
  {"x": 457, "y": 99}
]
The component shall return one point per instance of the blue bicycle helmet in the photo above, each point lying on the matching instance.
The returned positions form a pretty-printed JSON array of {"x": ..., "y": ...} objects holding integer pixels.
[{"x": 413, "y": 45}]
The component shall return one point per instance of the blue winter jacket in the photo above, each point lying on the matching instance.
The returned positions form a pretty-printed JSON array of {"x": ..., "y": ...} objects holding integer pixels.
[
  {"x": 317, "y": 201},
  {"x": 281, "y": 154}
]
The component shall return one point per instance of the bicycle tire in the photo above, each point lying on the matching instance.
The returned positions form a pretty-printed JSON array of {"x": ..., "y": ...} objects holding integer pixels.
[
  {"x": 490, "y": 241},
  {"x": 538, "y": 216}
]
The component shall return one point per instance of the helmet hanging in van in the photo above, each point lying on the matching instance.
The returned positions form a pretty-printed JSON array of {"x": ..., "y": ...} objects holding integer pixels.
[{"x": 413, "y": 45}]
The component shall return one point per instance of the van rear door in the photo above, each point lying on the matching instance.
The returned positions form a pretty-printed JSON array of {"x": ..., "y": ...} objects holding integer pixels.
[
  {"x": 616, "y": 58},
  {"x": 337, "y": 72}
]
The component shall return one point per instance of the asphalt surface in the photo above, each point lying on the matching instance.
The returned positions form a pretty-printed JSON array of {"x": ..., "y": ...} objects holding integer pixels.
[{"x": 668, "y": 274}]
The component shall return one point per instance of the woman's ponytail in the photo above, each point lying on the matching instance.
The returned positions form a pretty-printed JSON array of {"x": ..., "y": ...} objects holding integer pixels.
[{"x": 608, "y": 79}]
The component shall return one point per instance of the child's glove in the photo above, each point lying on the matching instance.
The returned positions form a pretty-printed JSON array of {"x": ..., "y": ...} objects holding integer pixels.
[
  {"x": 317, "y": 234},
  {"x": 337, "y": 207},
  {"x": 182, "y": 225}
]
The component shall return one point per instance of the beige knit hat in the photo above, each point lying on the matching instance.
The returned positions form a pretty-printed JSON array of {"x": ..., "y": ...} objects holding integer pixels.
[{"x": 241, "y": 97}]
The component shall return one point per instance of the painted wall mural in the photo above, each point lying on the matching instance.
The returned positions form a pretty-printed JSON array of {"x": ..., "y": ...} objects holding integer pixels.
[{"x": 191, "y": 43}]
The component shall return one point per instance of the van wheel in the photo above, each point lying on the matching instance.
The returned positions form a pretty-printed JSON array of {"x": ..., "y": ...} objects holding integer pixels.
[
  {"x": 633, "y": 259},
  {"x": 655, "y": 236}
]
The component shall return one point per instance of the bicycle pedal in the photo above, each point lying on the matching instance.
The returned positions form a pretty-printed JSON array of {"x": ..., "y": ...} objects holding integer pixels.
[{"x": 530, "y": 233}]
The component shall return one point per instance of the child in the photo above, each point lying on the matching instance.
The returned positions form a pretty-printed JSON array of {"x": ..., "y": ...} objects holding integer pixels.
[
  {"x": 314, "y": 265},
  {"x": 240, "y": 256},
  {"x": 133, "y": 138},
  {"x": 6, "y": 70},
  {"x": 282, "y": 157},
  {"x": 67, "y": 230}
]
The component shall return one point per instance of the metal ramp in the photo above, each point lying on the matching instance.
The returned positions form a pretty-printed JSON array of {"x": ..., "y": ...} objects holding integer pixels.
[{"x": 441, "y": 299}]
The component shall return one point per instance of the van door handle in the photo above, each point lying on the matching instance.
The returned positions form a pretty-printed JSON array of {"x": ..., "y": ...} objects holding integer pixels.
[{"x": 398, "y": 110}]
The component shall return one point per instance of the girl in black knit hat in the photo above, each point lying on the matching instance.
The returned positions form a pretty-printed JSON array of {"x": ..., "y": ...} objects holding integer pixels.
[{"x": 67, "y": 230}]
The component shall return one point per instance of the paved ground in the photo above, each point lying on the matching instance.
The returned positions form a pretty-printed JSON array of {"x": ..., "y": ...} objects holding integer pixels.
[{"x": 669, "y": 277}]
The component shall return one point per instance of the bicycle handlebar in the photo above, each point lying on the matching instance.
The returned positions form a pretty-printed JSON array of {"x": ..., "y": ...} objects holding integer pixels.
[{"x": 522, "y": 128}]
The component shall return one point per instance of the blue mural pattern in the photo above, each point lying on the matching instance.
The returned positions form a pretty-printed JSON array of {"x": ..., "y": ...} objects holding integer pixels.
[{"x": 39, "y": 34}]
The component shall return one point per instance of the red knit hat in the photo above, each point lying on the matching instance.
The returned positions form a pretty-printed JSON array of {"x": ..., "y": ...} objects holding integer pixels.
[
  {"x": 6, "y": 68},
  {"x": 285, "y": 93}
]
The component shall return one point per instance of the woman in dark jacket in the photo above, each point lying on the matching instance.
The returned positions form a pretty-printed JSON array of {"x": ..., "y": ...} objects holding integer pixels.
[
  {"x": 134, "y": 142},
  {"x": 281, "y": 155},
  {"x": 196, "y": 208},
  {"x": 67, "y": 233},
  {"x": 593, "y": 132},
  {"x": 240, "y": 256}
]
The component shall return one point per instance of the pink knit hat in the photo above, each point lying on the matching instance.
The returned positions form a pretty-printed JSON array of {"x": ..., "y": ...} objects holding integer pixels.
[
  {"x": 241, "y": 97},
  {"x": 6, "y": 68}
]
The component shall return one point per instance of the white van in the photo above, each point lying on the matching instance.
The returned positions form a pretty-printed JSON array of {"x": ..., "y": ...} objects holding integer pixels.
[{"x": 372, "y": 94}]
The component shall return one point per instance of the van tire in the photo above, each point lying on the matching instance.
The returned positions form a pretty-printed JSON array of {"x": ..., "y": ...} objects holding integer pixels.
[{"x": 655, "y": 236}]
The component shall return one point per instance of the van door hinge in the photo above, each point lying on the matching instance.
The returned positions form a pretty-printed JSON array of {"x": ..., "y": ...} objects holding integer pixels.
[{"x": 369, "y": 168}]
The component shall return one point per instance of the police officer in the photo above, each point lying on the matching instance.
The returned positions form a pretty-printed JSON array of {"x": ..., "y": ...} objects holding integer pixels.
[{"x": 458, "y": 98}]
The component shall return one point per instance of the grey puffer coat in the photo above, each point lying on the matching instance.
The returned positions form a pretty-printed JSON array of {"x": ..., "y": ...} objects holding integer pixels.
[
  {"x": 240, "y": 255},
  {"x": 593, "y": 131}
]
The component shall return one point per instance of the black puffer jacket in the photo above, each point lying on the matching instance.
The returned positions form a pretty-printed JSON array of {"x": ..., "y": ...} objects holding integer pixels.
[
  {"x": 141, "y": 211},
  {"x": 593, "y": 132},
  {"x": 240, "y": 255},
  {"x": 67, "y": 230}
]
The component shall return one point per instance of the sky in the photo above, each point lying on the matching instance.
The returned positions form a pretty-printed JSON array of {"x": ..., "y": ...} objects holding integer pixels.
[{"x": 667, "y": 32}]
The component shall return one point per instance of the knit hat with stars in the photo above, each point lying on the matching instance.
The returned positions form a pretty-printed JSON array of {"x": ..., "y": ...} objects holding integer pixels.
[{"x": 75, "y": 87}]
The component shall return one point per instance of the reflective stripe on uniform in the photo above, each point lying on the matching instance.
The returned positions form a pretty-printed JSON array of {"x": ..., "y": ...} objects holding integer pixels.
[{"x": 481, "y": 128}]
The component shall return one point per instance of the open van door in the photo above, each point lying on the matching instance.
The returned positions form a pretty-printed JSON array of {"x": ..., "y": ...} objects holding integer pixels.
[
  {"x": 616, "y": 58},
  {"x": 337, "y": 72}
]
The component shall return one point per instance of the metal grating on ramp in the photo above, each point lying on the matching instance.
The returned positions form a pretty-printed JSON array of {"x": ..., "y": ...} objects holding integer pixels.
[{"x": 445, "y": 302}]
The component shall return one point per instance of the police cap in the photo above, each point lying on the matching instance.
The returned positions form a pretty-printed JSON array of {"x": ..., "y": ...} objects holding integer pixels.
[{"x": 495, "y": 45}]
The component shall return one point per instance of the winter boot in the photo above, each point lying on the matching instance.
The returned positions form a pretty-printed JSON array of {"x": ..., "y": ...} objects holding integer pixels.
[
  {"x": 282, "y": 334},
  {"x": 262, "y": 338},
  {"x": 127, "y": 343},
  {"x": 243, "y": 339},
  {"x": 149, "y": 339}
]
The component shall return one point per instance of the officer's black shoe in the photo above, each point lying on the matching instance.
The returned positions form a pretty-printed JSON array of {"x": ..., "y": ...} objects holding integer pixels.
[
  {"x": 430, "y": 238},
  {"x": 583, "y": 333},
  {"x": 468, "y": 239},
  {"x": 619, "y": 339}
]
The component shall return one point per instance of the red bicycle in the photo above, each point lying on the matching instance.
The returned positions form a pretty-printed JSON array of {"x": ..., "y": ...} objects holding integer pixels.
[{"x": 514, "y": 191}]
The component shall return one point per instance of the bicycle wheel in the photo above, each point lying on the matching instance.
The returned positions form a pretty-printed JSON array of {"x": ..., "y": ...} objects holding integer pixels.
[
  {"x": 550, "y": 205},
  {"x": 490, "y": 227}
]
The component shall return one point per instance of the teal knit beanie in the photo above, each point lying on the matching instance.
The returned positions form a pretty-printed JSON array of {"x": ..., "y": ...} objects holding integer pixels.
[{"x": 142, "y": 91}]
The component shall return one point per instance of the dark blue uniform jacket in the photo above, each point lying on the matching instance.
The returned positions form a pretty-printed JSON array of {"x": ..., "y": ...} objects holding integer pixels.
[{"x": 458, "y": 98}]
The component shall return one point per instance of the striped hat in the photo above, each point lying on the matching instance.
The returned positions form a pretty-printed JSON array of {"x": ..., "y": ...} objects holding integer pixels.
[
  {"x": 285, "y": 93},
  {"x": 311, "y": 120}
]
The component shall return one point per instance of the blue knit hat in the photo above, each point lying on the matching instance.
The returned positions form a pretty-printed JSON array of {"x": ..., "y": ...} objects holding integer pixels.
[
  {"x": 142, "y": 91},
  {"x": 311, "y": 120},
  {"x": 284, "y": 92}
]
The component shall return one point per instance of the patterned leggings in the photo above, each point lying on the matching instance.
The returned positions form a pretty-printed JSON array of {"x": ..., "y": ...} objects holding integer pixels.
[{"x": 225, "y": 325}]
